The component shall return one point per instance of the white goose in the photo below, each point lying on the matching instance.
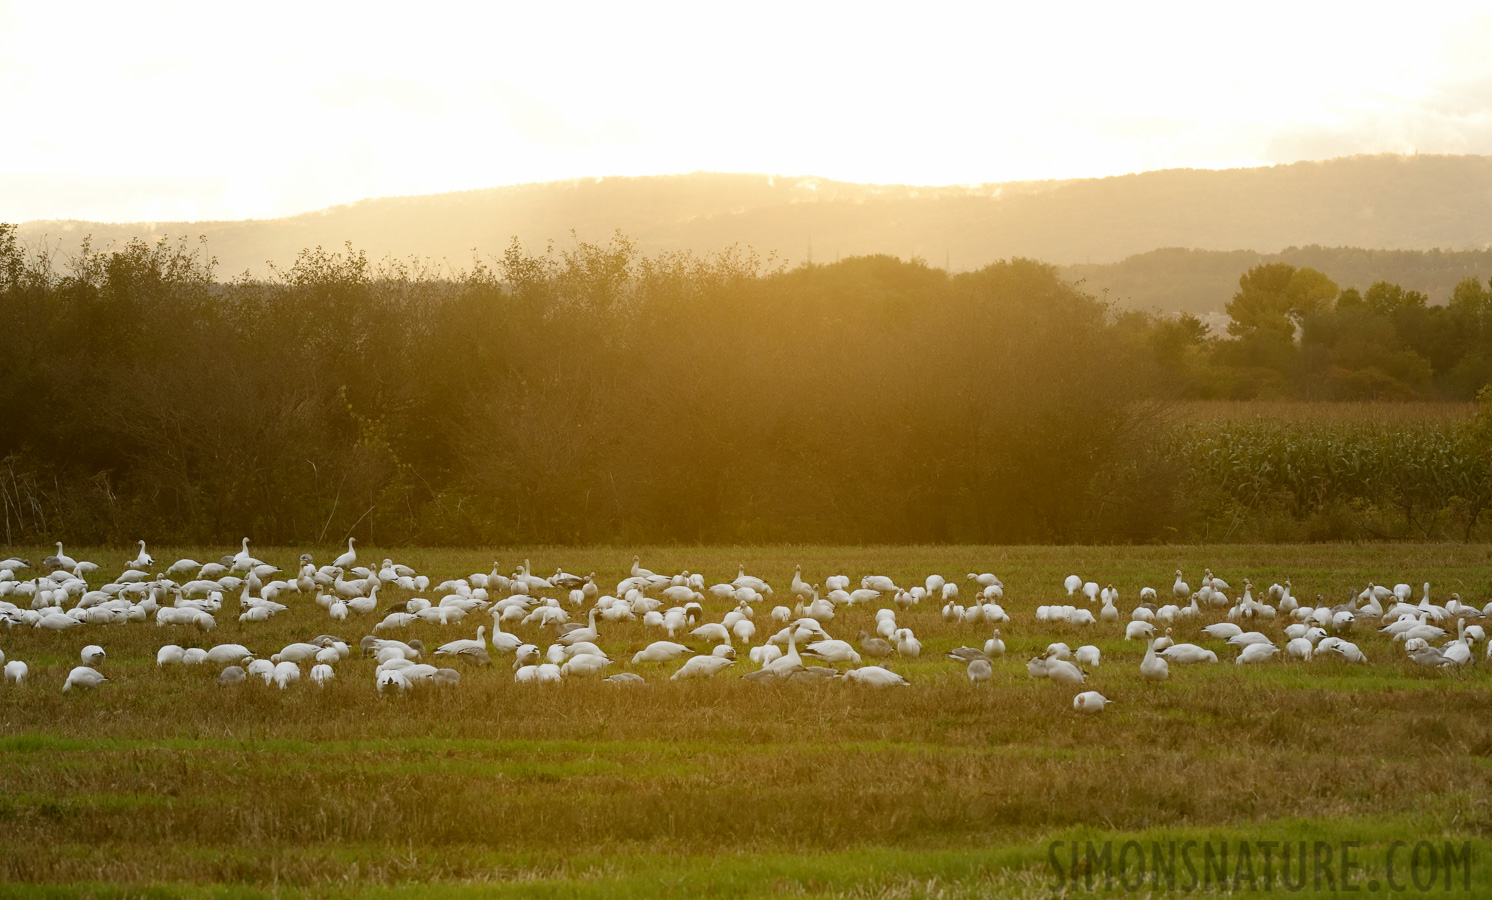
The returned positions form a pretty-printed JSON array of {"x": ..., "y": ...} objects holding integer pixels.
[
  {"x": 994, "y": 646},
  {"x": 452, "y": 648},
  {"x": 1090, "y": 702},
  {"x": 83, "y": 677},
  {"x": 1153, "y": 667},
  {"x": 1186, "y": 654},
  {"x": 142, "y": 560},
  {"x": 875, "y": 676},
  {"x": 63, "y": 560},
  {"x": 588, "y": 633},
  {"x": 346, "y": 560},
  {"x": 1181, "y": 590},
  {"x": 702, "y": 667},
  {"x": 1064, "y": 672},
  {"x": 502, "y": 641},
  {"x": 1256, "y": 653}
]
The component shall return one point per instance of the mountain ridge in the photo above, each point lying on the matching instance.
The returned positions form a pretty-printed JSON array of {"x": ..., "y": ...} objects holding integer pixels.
[{"x": 1382, "y": 202}]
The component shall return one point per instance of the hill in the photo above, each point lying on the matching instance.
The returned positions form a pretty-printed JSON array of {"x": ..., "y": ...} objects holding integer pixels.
[
  {"x": 1388, "y": 202},
  {"x": 1202, "y": 281}
]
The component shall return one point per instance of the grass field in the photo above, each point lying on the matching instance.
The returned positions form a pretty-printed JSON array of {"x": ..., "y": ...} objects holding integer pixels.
[
  {"x": 723, "y": 787},
  {"x": 1326, "y": 412}
]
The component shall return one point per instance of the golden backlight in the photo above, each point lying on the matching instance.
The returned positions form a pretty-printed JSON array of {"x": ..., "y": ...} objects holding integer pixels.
[{"x": 151, "y": 111}]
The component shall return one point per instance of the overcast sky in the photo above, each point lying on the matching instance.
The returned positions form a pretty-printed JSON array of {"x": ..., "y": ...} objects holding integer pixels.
[{"x": 148, "y": 111}]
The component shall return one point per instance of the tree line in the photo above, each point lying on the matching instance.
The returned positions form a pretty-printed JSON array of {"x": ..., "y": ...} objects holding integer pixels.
[
  {"x": 586, "y": 393},
  {"x": 1293, "y": 333}
]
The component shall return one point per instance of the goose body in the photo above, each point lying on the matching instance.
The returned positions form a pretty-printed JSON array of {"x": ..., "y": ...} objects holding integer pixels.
[
  {"x": 83, "y": 677},
  {"x": 62, "y": 560},
  {"x": 979, "y": 670},
  {"x": 142, "y": 559},
  {"x": 875, "y": 676},
  {"x": 994, "y": 646},
  {"x": 1186, "y": 654},
  {"x": 1064, "y": 672},
  {"x": 1181, "y": 590},
  {"x": 660, "y": 652},
  {"x": 461, "y": 646},
  {"x": 1154, "y": 667},
  {"x": 346, "y": 560},
  {"x": 907, "y": 644},
  {"x": 585, "y": 665},
  {"x": 1090, "y": 702},
  {"x": 702, "y": 667},
  {"x": 1256, "y": 653}
]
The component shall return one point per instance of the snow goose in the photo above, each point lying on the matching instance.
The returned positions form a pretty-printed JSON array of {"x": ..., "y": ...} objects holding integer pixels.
[
  {"x": 1245, "y": 638},
  {"x": 585, "y": 665},
  {"x": 1256, "y": 653},
  {"x": 979, "y": 670},
  {"x": 994, "y": 646},
  {"x": 1064, "y": 672},
  {"x": 1090, "y": 702},
  {"x": 874, "y": 647},
  {"x": 712, "y": 631},
  {"x": 286, "y": 673},
  {"x": 83, "y": 677},
  {"x": 1153, "y": 667},
  {"x": 452, "y": 648},
  {"x": 907, "y": 644},
  {"x": 833, "y": 651},
  {"x": 1222, "y": 631},
  {"x": 875, "y": 676},
  {"x": 702, "y": 667},
  {"x": 1186, "y": 654},
  {"x": 1181, "y": 590},
  {"x": 346, "y": 560},
  {"x": 660, "y": 652},
  {"x": 62, "y": 560}
]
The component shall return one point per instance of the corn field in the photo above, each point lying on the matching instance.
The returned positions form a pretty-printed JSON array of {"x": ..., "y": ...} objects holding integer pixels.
[{"x": 1425, "y": 480}]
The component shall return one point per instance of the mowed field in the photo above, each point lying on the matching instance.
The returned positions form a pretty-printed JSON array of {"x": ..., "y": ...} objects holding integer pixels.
[{"x": 723, "y": 787}]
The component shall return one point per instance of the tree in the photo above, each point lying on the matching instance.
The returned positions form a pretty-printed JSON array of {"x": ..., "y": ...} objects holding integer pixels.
[
  {"x": 1392, "y": 300},
  {"x": 1274, "y": 299}
]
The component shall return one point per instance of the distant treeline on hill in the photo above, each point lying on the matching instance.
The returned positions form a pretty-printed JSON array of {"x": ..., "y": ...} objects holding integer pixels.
[
  {"x": 597, "y": 394},
  {"x": 1202, "y": 281},
  {"x": 1404, "y": 202}
]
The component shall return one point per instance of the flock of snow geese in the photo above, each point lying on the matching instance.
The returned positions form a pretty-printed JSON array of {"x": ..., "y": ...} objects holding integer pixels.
[{"x": 799, "y": 650}]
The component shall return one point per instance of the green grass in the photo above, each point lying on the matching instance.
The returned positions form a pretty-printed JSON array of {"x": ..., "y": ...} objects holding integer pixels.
[{"x": 723, "y": 788}]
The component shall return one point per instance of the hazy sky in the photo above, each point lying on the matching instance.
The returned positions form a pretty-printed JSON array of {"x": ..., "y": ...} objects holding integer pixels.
[{"x": 147, "y": 111}]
